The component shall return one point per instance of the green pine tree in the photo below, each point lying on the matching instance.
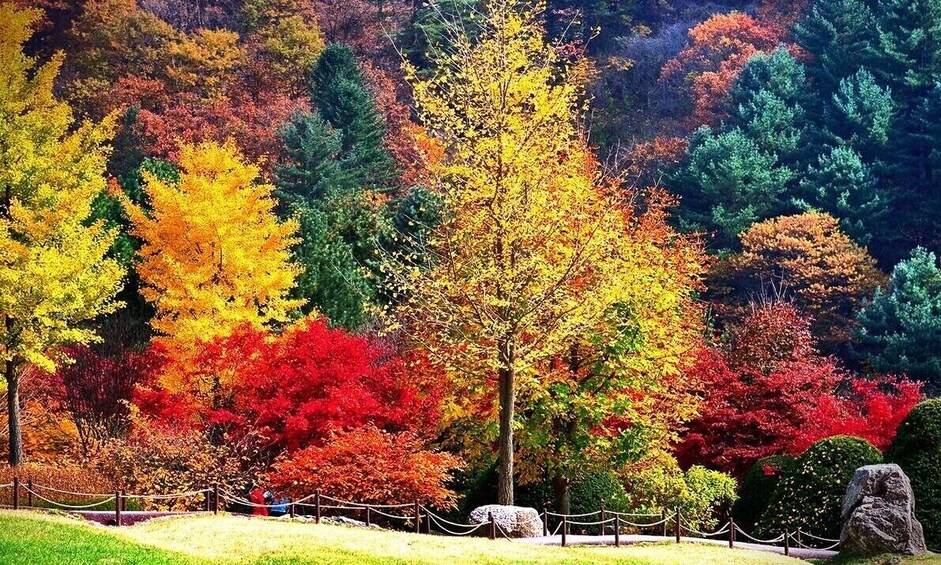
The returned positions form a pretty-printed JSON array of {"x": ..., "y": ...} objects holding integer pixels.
[
  {"x": 900, "y": 329},
  {"x": 339, "y": 91}
]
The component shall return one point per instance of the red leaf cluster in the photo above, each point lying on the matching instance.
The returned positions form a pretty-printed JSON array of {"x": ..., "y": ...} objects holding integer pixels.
[
  {"x": 297, "y": 387},
  {"x": 770, "y": 392},
  {"x": 371, "y": 466}
]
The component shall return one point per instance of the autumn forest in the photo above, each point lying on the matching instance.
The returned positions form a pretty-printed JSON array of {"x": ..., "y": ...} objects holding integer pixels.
[{"x": 660, "y": 254}]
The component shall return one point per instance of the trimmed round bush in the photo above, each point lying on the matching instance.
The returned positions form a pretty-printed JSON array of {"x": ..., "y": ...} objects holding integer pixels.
[
  {"x": 917, "y": 450},
  {"x": 585, "y": 494},
  {"x": 588, "y": 493},
  {"x": 810, "y": 493},
  {"x": 757, "y": 489}
]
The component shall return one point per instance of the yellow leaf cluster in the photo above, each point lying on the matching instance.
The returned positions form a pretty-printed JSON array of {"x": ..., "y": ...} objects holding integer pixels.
[
  {"x": 538, "y": 251},
  {"x": 54, "y": 273},
  {"x": 214, "y": 255}
]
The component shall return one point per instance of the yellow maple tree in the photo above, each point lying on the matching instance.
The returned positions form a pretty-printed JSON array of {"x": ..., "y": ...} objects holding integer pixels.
[
  {"x": 214, "y": 255},
  {"x": 537, "y": 252},
  {"x": 54, "y": 271}
]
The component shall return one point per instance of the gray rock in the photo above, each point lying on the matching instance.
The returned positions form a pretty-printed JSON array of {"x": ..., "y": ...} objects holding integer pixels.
[
  {"x": 879, "y": 513},
  {"x": 515, "y": 521}
]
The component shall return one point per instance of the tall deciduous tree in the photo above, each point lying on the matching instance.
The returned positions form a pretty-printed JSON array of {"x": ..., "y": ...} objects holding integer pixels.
[
  {"x": 214, "y": 255},
  {"x": 54, "y": 270},
  {"x": 534, "y": 252}
]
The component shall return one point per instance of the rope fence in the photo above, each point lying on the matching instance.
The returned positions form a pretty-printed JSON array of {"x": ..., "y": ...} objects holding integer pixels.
[{"x": 419, "y": 517}]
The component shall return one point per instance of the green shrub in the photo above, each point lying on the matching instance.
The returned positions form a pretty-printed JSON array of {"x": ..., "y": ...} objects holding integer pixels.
[
  {"x": 588, "y": 493},
  {"x": 757, "y": 488},
  {"x": 917, "y": 450},
  {"x": 699, "y": 492},
  {"x": 810, "y": 493}
]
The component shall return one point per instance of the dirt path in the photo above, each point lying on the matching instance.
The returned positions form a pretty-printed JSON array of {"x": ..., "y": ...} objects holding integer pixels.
[{"x": 799, "y": 553}]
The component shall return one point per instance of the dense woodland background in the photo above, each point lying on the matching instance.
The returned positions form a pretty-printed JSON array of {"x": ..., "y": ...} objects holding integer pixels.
[{"x": 778, "y": 166}]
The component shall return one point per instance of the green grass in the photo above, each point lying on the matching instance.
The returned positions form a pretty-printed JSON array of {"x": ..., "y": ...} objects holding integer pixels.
[{"x": 27, "y": 537}]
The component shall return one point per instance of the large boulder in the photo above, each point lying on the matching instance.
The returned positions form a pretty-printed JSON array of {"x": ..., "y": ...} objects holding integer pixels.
[
  {"x": 879, "y": 513},
  {"x": 515, "y": 521}
]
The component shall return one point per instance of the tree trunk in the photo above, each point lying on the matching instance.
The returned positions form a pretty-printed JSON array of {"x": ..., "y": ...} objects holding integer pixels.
[
  {"x": 13, "y": 414},
  {"x": 563, "y": 495},
  {"x": 507, "y": 408}
]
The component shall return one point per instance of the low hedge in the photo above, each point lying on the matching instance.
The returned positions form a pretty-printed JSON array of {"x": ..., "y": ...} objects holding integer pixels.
[
  {"x": 810, "y": 493},
  {"x": 917, "y": 450}
]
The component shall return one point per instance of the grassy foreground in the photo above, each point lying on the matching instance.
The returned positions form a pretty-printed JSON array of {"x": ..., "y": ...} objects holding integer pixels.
[{"x": 201, "y": 540}]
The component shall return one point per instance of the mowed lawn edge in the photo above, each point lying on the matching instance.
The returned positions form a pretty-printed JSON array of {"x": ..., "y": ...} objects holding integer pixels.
[{"x": 32, "y": 537}]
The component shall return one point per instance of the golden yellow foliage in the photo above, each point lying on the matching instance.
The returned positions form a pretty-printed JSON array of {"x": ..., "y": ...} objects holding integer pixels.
[
  {"x": 201, "y": 63},
  {"x": 214, "y": 255},
  {"x": 54, "y": 270},
  {"x": 537, "y": 252}
]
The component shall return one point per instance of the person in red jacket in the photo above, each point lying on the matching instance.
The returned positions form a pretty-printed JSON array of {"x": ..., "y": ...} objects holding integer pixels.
[{"x": 257, "y": 496}]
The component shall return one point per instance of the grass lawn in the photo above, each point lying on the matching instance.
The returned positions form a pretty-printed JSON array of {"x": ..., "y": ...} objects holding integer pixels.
[{"x": 27, "y": 537}]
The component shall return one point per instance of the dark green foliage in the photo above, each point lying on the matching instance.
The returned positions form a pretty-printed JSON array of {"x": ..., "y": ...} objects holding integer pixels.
[
  {"x": 809, "y": 495},
  {"x": 757, "y": 488},
  {"x": 728, "y": 183},
  {"x": 589, "y": 493},
  {"x": 334, "y": 283},
  {"x": 335, "y": 162},
  {"x": 840, "y": 184},
  {"x": 900, "y": 330},
  {"x": 414, "y": 216},
  {"x": 315, "y": 169},
  {"x": 432, "y": 28},
  {"x": 838, "y": 33},
  {"x": 917, "y": 450},
  {"x": 769, "y": 98},
  {"x": 860, "y": 114},
  {"x": 339, "y": 90}
]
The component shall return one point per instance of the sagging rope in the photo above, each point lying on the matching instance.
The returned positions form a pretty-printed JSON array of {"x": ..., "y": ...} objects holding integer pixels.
[
  {"x": 68, "y": 506},
  {"x": 718, "y": 532},
  {"x": 780, "y": 538}
]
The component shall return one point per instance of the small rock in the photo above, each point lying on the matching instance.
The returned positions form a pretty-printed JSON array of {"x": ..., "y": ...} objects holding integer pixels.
[
  {"x": 515, "y": 521},
  {"x": 879, "y": 513}
]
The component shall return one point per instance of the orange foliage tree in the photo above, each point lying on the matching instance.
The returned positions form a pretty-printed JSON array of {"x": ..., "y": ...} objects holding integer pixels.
[
  {"x": 716, "y": 52},
  {"x": 809, "y": 256},
  {"x": 369, "y": 465}
]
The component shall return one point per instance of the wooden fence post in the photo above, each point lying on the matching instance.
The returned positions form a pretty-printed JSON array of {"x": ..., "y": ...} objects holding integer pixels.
[
  {"x": 545, "y": 521},
  {"x": 731, "y": 533},
  {"x": 602, "y": 518},
  {"x": 565, "y": 527},
  {"x": 787, "y": 543},
  {"x": 317, "y": 507},
  {"x": 29, "y": 493},
  {"x": 117, "y": 508},
  {"x": 617, "y": 530},
  {"x": 678, "y": 526},
  {"x": 16, "y": 493},
  {"x": 493, "y": 525}
]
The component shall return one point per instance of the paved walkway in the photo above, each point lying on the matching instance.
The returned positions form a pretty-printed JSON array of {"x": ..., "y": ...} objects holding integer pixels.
[
  {"x": 799, "y": 553},
  {"x": 128, "y": 517}
]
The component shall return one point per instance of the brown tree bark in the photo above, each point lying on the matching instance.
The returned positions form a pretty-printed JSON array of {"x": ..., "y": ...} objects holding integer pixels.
[
  {"x": 507, "y": 386},
  {"x": 13, "y": 414}
]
